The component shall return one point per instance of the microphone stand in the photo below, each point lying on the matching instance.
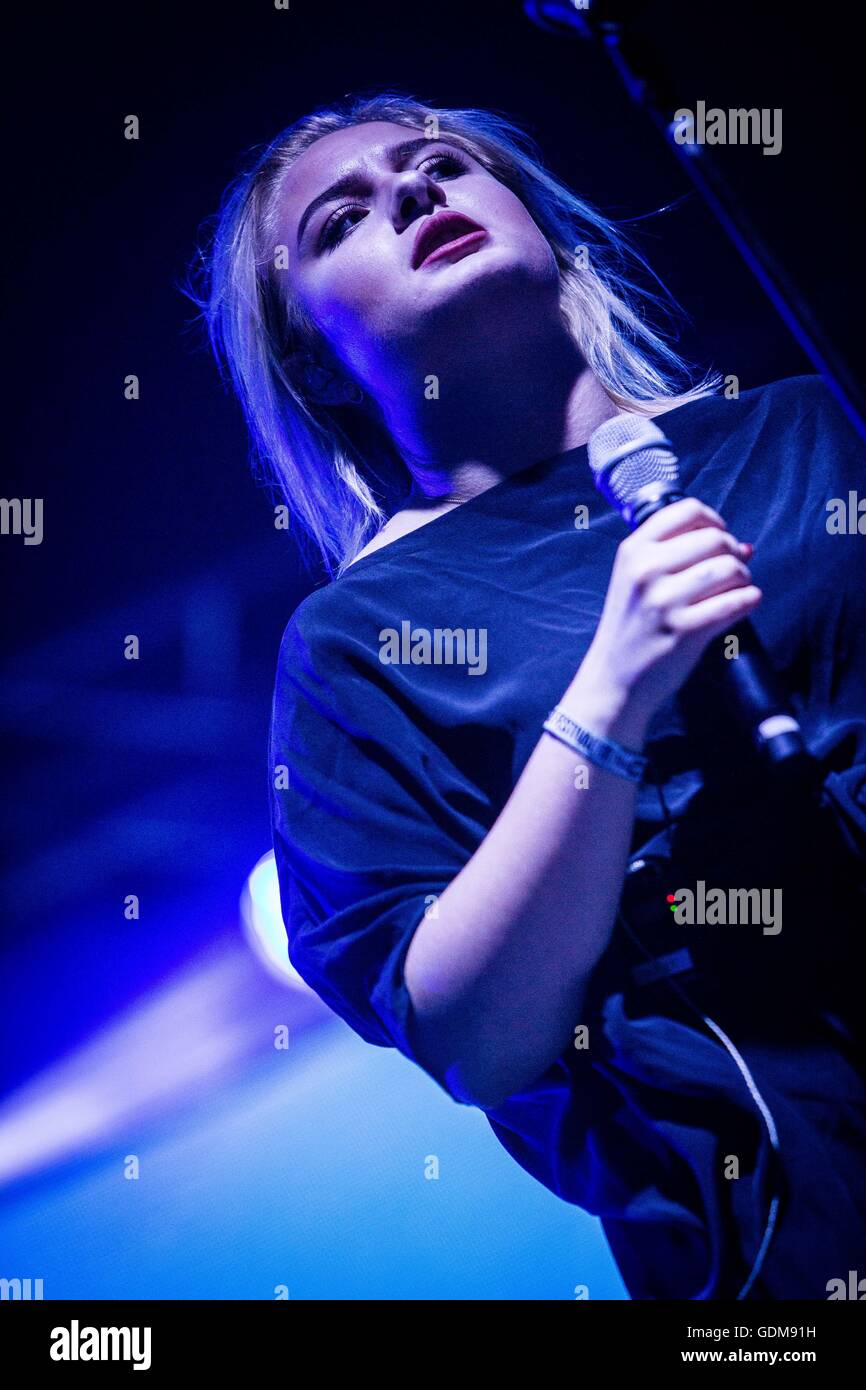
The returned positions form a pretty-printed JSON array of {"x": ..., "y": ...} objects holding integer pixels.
[
  {"x": 796, "y": 782},
  {"x": 562, "y": 16}
]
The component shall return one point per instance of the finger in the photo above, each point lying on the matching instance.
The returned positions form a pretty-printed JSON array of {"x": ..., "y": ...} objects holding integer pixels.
[
  {"x": 700, "y": 581},
  {"x": 686, "y": 515},
  {"x": 679, "y": 552},
  {"x": 717, "y": 611}
]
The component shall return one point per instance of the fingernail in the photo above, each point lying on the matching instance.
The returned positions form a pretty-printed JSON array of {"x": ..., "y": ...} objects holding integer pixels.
[{"x": 747, "y": 547}]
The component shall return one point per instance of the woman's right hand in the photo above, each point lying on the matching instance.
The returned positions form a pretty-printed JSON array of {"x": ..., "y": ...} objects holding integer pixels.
[{"x": 677, "y": 581}]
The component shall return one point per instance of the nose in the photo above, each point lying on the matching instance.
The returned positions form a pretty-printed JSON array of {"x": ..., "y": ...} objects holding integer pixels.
[{"x": 414, "y": 194}]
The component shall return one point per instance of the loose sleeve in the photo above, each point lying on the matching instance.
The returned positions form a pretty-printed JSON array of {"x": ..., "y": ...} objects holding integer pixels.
[{"x": 371, "y": 822}]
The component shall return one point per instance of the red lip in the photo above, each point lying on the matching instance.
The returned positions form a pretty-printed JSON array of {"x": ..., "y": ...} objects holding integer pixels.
[{"x": 439, "y": 230}]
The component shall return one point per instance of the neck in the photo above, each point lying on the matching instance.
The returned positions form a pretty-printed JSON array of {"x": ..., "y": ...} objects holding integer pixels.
[{"x": 519, "y": 407}]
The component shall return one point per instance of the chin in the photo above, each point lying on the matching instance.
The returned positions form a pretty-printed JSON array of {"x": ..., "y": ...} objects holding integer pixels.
[{"x": 493, "y": 265}]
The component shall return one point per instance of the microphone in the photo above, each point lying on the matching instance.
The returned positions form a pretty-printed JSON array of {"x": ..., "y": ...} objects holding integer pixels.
[{"x": 636, "y": 470}]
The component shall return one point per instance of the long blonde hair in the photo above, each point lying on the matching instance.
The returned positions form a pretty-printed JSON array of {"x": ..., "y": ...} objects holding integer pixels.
[{"x": 334, "y": 469}]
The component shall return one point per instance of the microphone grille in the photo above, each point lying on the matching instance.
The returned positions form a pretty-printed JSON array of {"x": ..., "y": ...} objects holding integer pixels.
[{"x": 626, "y": 453}]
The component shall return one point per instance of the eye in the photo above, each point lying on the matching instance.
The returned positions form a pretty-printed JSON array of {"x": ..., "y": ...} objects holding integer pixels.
[
  {"x": 332, "y": 232},
  {"x": 452, "y": 160}
]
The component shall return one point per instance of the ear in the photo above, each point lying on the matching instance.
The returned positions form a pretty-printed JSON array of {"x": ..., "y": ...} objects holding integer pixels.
[{"x": 318, "y": 383}]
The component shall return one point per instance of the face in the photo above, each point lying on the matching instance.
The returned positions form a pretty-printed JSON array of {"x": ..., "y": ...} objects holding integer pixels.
[{"x": 353, "y": 265}]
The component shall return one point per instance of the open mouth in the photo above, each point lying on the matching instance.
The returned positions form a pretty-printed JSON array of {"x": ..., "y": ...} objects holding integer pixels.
[{"x": 443, "y": 235}]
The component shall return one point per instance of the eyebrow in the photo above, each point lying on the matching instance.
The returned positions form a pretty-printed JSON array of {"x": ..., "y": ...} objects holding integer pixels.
[{"x": 350, "y": 182}]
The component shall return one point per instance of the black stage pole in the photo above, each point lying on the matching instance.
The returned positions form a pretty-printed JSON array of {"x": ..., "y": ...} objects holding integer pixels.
[{"x": 633, "y": 61}]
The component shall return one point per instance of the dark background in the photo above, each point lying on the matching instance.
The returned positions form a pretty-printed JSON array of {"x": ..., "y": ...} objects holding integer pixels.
[{"x": 150, "y": 777}]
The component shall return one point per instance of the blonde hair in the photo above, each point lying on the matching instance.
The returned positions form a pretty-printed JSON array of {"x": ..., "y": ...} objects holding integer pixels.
[{"x": 336, "y": 470}]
